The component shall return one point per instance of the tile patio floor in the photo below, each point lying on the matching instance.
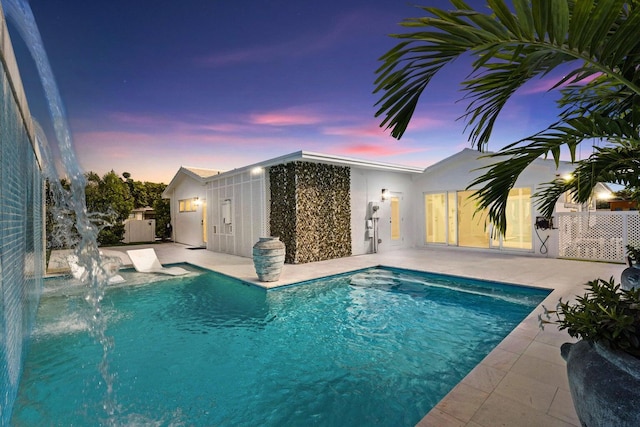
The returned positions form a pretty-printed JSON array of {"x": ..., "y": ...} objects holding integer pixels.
[{"x": 522, "y": 382}]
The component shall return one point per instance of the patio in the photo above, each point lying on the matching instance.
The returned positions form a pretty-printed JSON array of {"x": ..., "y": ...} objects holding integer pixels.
[{"x": 522, "y": 382}]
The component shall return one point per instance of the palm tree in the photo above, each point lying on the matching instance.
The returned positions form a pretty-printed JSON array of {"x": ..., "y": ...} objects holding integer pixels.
[{"x": 598, "y": 40}]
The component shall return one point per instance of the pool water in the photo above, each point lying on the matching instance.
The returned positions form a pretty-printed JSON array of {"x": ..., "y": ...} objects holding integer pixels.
[{"x": 377, "y": 347}]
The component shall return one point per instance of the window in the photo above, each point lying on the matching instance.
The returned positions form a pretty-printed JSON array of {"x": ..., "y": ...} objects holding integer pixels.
[
  {"x": 188, "y": 205},
  {"x": 226, "y": 216},
  {"x": 451, "y": 218}
]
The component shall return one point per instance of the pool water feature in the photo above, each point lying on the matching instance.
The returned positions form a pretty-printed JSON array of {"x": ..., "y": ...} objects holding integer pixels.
[
  {"x": 73, "y": 226},
  {"x": 376, "y": 347}
]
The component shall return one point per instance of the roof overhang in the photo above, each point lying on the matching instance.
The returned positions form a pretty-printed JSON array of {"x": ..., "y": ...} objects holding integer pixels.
[
  {"x": 308, "y": 156},
  {"x": 185, "y": 171}
]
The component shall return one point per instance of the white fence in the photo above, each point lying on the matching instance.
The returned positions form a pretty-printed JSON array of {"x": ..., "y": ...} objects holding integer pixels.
[
  {"x": 598, "y": 236},
  {"x": 139, "y": 230}
]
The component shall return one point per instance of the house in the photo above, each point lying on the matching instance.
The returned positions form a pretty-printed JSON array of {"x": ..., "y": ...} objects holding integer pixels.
[
  {"x": 324, "y": 206},
  {"x": 187, "y": 194},
  {"x": 318, "y": 204},
  {"x": 450, "y": 216},
  {"x": 623, "y": 205}
]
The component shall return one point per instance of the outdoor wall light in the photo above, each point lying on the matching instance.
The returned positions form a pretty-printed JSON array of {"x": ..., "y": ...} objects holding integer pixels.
[
  {"x": 385, "y": 194},
  {"x": 256, "y": 171},
  {"x": 604, "y": 195}
]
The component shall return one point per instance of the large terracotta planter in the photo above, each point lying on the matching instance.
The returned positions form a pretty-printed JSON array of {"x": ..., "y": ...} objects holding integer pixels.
[
  {"x": 604, "y": 384},
  {"x": 268, "y": 258}
]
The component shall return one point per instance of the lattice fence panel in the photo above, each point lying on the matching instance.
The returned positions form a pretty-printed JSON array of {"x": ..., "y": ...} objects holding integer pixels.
[
  {"x": 598, "y": 236},
  {"x": 633, "y": 229}
]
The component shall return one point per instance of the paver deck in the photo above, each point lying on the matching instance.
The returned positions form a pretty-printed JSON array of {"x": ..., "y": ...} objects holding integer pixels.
[{"x": 522, "y": 382}]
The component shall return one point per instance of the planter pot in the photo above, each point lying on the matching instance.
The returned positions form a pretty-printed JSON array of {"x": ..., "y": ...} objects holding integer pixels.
[
  {"x": 268, "y": 258},
  {"x": 630, "y": 277},
  {"x": 604, "y": 384}
]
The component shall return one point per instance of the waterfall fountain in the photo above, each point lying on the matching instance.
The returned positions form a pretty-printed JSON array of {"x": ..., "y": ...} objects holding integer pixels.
[{"x": 26, "y": 162}]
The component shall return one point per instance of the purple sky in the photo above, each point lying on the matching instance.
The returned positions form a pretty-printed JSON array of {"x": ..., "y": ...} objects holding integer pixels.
[{"x": 150, "y": 86}]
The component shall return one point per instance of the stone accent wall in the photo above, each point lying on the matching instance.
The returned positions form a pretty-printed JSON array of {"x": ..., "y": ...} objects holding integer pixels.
[{"x": 311, "y": 210}]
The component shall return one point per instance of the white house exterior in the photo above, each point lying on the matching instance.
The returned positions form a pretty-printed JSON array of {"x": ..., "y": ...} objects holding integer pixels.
[
  {"x": 239, "y": 202},
  {"x": 189, "y": 205},
  {"x": 448, "y": 214},
  {"x": 386, "y": 206}
]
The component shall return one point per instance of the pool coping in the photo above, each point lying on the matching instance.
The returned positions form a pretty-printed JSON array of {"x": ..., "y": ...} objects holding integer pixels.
[{"x": 522, "y": 382}]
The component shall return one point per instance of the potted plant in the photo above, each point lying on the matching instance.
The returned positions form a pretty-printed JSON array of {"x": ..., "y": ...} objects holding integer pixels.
[
  {"x": 633, "y": 256},
  {"x": 604, "y": 366},
  {"x": 630, "y": 277}
]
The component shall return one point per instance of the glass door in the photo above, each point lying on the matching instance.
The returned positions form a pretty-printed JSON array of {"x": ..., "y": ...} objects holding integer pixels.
[
  {"x": 396, "y": 219},
  {"x": 435, "y": 218}
]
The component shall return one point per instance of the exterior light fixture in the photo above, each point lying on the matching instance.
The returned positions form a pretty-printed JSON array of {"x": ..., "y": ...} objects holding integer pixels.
[
  {"x": 257, "y": 170},
  {"x": 385, "y": 194},
  {"x": 604, "y": 195}
]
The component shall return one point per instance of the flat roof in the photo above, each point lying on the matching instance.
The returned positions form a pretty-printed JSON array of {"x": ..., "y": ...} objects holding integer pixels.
[{"x": 331, "y": 159}]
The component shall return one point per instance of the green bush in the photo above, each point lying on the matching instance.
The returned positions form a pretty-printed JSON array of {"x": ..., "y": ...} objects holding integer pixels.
[{"x": 606, "y": 314}]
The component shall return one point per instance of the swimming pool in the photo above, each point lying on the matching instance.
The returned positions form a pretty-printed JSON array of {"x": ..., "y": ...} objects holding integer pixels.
[{"x": 376, "y": 347}]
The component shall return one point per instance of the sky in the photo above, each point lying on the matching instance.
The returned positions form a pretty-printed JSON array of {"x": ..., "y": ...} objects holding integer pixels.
[{"x": 150, "y": 86}]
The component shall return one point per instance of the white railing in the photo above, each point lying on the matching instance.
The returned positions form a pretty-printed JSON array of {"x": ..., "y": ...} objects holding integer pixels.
[{"x": 597, "y": 236}]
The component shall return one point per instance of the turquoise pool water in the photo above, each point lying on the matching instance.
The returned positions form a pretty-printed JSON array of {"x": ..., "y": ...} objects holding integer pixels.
[{"x": 379, "y": 347}]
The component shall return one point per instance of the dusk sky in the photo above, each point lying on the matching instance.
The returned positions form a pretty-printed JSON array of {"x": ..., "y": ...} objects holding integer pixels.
[{"x": 150, "y": 86}]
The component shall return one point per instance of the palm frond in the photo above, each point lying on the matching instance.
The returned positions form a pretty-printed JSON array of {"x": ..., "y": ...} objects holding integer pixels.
[
  {"x": 619, "y": 164},
  {"x": 510, "y": 47},
  {"x": 502, "y": 176},
  {"x": 600, "y": 96}
]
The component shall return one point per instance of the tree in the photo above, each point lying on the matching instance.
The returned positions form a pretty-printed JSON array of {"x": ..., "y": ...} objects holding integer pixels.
[
  {"x": 162, "y": 207},
  {"x": 109, "y": 202},
  {"x": 598, "y": 41}
]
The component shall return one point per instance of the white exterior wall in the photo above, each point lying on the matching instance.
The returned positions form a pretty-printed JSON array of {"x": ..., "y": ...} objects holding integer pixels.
[
  {"x": 456, "y": 173},
  {"x": 246, "y": 193},
  {"x": 366, "y": 186},
  {"x": 188, "y": 226}
]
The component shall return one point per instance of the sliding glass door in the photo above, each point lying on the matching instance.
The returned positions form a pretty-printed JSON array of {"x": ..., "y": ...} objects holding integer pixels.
[{"x": 451, "y": 218}]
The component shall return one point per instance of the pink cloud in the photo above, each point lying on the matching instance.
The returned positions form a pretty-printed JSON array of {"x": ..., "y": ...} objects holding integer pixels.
[
  {"x": 546, "y": 84},
  {"x": 285, "y": 118},
  {"x": 372, "y": 130},
  {"x": 378, "y": 150},
  {"x": 422, "y": 123}
]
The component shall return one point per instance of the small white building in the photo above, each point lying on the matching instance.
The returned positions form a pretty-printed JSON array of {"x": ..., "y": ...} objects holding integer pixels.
[
  {"x": 324, "y": 207},
  {"x": 188, "y": 197}
]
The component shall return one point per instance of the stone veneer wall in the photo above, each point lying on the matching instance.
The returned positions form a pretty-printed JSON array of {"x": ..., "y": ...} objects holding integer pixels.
[{"x": 311, "y": 210}]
